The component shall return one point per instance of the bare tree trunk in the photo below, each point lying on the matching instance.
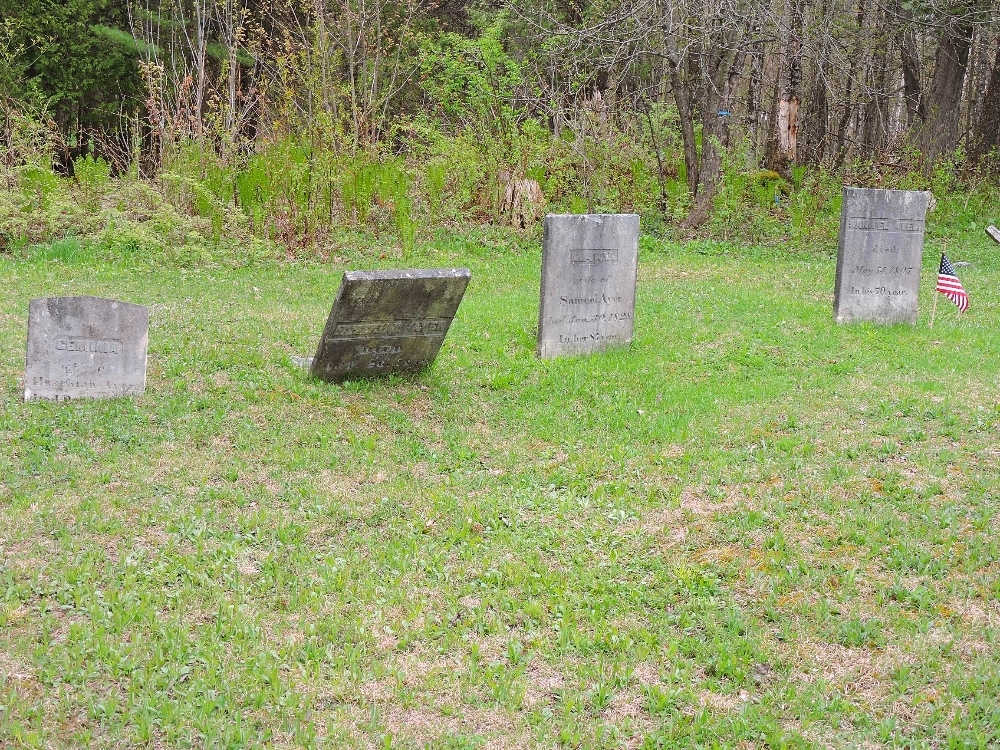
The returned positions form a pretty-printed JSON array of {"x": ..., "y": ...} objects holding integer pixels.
[
  {"x": 986, "y": 135},
  {"x": 817, "y": 113},
  {"x": 939, "y": 133},
  {"x": 849, "y": 105},
  {"x": 784, "y": 148},
  {"x": 755, "y": 81},
  {"x": 714, "y": 142},
  {"x": 817, "y": 106},
  {"x": 875, "y": 115},
  {"x": 350, "y": 43},
  {"x": 202, "y": 19},
  {"x": 909, "y": 57},
  {"x": 682, "y": 96},
  {"x": 664, "y": 203},
  {"x": 977, "y": 71},
  {"x": 231, "y": 16},
  {"x": 198, "y": 49},
  {"x": 716, "y": 65}
]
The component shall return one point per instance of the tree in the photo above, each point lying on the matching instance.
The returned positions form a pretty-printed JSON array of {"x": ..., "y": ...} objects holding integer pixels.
[
  {"x": 783, "y": 148},
  {"x": 77, "y": 64},
  {"x": 938, "y": 135},
  {"x": 986, "y": 136}
]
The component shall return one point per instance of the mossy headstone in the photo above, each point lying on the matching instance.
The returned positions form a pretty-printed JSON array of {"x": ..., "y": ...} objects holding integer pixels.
[{"x": 386, "y": 322}]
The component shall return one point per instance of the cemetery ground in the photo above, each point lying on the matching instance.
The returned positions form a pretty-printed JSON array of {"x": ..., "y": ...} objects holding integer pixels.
[{"x": 753, "y": 528}]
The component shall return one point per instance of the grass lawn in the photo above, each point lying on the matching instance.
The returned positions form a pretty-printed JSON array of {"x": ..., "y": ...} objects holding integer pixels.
[{"x": 751, "y": 529}]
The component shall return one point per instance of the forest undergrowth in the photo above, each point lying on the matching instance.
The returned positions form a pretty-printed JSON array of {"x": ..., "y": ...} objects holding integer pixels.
[{"x": 292, "y": 200}]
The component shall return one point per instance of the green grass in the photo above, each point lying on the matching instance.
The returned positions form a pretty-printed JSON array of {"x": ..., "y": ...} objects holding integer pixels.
[{"x": 751, "y": 529}]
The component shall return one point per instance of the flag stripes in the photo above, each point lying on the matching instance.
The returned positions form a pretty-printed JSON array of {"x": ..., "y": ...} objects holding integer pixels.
[{"x": 949, "y": 285}]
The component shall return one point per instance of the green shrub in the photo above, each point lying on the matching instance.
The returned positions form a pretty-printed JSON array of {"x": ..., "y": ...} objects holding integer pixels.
[{"x": 93, "y": 176}]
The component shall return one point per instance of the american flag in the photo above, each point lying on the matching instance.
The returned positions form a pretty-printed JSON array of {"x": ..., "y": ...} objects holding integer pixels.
[{"x": 949, "y": 285}]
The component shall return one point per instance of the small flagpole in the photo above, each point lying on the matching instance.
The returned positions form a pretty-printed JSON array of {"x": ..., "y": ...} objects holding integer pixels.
[{"x": 934, "y": 308}]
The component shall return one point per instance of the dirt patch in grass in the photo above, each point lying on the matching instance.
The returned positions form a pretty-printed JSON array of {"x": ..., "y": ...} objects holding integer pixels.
[
  {"x": 863, "y": 674},
  {"x": 542, "y": 684},
  {"x": 17, "y": 672}
]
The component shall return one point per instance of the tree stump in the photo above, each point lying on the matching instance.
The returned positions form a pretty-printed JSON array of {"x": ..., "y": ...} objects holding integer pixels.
[{"x": 523, "y": 202}]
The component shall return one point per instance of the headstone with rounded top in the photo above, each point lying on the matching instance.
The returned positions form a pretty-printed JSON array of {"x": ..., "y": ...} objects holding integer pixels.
[{"x": 85, "y": 347}]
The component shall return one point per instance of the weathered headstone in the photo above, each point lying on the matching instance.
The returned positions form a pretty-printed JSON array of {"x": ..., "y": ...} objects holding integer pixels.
[
  {"x": 878, "y": 262},
  {"x": 993, "y": 232},
  {"x": 388, "y": 322},
  {"x": 589, "y": 265},
  {"x": 85, "y": 347}
]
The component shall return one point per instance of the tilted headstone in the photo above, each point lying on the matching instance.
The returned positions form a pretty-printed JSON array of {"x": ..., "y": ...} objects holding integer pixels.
[
  {"x": 85, "y": 347},
  {"x": 993, "y": 232},
  {"x": 589, "y": 265},
  {"x": 388, "y": 322},
  {"x": 878, "y": 262}
]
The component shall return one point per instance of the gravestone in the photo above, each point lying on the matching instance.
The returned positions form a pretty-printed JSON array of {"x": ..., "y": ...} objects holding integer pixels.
[
  {"x": 85, "y": 347},
  {"x": 993, "y": 232},
  {"x": 878, "y": 261},
  {"x": 388, "y": 322},
  {"x": 589, "y": 265}
]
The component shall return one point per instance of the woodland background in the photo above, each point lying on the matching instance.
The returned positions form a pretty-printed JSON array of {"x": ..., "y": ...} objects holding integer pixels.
[{"x": 181, "y": 122}]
